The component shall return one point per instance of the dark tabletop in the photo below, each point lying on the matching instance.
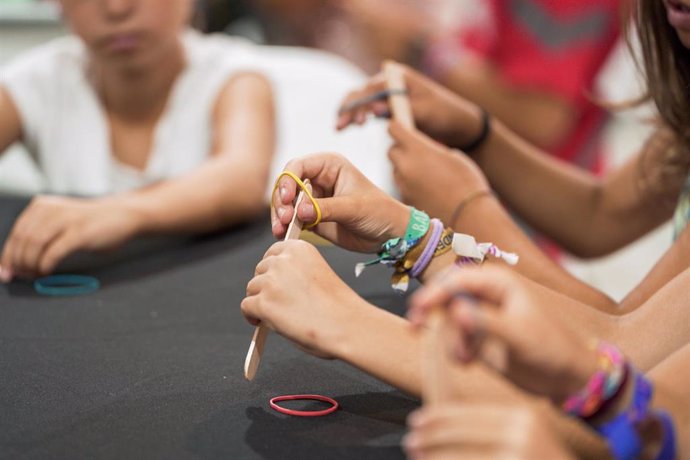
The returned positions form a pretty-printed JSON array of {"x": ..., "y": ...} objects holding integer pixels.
[{"x": 150, "y": 366}]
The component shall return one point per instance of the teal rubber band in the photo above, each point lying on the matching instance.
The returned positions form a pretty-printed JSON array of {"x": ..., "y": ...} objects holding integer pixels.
[{"x": 66, "y": 285}]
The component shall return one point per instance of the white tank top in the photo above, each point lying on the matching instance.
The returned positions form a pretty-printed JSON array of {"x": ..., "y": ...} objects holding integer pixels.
[{"x": 66, "y": 131}]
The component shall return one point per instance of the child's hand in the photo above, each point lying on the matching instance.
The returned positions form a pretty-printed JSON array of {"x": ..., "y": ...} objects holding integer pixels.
[
  {"x": 51, "y": 228},
  {"x": 438, "y": 112},
  {"x": 430, "y": 176},
  {"x": 356, "y": 214},
  {"x": 295, "y": 293},
  {"x": 505, "y": 327},
  {"x": 475, "y": 430}
]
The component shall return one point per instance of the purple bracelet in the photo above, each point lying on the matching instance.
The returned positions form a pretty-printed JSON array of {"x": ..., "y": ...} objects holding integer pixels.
[{"x": 429, "y": 250}]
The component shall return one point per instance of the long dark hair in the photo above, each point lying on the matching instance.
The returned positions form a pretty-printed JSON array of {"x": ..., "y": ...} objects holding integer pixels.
[{"x": 665, "y": 62}]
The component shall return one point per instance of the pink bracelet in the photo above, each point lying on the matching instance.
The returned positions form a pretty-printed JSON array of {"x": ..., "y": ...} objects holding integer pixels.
[{"x": 602, "y": 386}]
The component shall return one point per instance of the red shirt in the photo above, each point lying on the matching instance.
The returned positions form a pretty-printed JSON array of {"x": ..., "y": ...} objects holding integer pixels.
[{"x": 555, "y": 46}]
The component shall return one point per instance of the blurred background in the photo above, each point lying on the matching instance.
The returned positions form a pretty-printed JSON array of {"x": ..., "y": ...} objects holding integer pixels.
[{"x": 361, "y": 32}]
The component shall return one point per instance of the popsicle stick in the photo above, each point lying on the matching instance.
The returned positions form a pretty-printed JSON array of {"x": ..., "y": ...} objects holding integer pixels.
[
  {"x": 400, "y": 104},
  {"x": 435, "y": 360},
  {"x": 256, "y": 348}
]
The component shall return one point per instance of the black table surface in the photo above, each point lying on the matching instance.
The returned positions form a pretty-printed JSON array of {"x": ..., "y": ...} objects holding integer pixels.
[{"x": 150, "y": 366}]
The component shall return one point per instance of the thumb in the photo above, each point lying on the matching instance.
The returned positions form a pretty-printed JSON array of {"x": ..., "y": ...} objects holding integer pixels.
[
  {"x": 401, "y": 134},
  {"x": 334, "y": 209},
  {"x": 411, "y": 138},
  {"x": 485, "y": 324}
]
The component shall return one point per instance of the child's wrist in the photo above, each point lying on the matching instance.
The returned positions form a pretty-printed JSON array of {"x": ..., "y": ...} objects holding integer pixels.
[
  {"x": 580, "y": 369},
  {"x": 401, "y": 214},
  {"x": 132, "y": 212}
]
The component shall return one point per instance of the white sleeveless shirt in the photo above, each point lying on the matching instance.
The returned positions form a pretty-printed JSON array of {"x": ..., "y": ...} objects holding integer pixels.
[{"x": 66, "y": 131}]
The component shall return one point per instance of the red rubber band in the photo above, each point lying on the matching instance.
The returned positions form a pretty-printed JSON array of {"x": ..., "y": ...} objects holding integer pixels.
[{"x": 304, "y": 413}]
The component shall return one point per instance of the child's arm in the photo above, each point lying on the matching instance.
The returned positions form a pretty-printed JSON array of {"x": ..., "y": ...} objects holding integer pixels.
[
  {"x": 672, "y": 380},
  {"x": 10, "y": 124},
  {"x": 229, "y": 188},
  {"x": 336, "y": 323},
  {"x": 539, "y": 116},
  {"x": 588, "y": 216}
]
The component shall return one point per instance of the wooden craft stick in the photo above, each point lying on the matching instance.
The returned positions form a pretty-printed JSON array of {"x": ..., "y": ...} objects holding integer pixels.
[
  {"x": 435, "y": 359},
  {"x": 435, "y": 362},
  {"x": 256, "y": 348},
  {"x": 400, "y": 104}
]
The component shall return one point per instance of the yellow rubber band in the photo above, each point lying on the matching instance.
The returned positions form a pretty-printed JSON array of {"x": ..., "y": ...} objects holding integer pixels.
[{"x": 303, "y": 186}]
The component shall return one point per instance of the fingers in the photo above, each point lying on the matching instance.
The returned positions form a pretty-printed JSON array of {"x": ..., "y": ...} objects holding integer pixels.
[
  {"x": 406, "y": 145},
  {"x": 10, "y": 248},
  {"x": 33, "y": 233},
  {"x": 411, "y": 138},
  {"x": 488, "y": 284},
  {"x": 255, "y": 285},
  {"x": 466, "y": 321},
  {"x": 283, "y": 196},
  {"x": 252, "y": 302},
  {"x": 338, "y": 210},
  {"x": 358, "y": 104},
  {"x": 249, "y": 306},
  {"x": 34, "y": 247},
  {"x": 454, "y": 431},
  {"x": 327, "y": 172},
  {"x": 65, "y": 244},
  {"x": 401, "y": 135},
  {"x": 6, "y": 273},
  {"x": 483, "y": 331},
  {"x": 438, "y": 291},
  {"x": 274, "y": 250}
]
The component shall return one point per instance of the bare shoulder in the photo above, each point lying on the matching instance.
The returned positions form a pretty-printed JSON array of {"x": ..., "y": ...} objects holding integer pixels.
[
  {"x": 244, "y": 117},
  {"x": 244, "y": 88}
]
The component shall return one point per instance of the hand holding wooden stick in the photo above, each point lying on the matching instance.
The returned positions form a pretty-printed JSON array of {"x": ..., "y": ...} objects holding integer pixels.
[{"x": 256, "y": 348}]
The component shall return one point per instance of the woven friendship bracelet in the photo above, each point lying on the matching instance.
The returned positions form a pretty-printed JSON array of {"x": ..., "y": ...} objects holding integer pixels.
[
  {"x": 395, "y": 249},
  {"x": 602, "y": 386}
]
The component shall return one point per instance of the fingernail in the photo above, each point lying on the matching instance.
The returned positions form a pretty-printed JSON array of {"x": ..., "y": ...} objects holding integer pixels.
[
  {"x": 5, "y": 275},
  {"x": 280, "y": 212},
  {"x": 308, "y": 211},
  {"x": 283, "y": 193}
]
